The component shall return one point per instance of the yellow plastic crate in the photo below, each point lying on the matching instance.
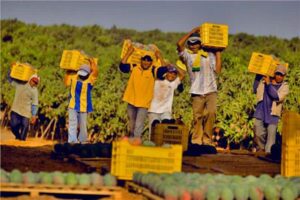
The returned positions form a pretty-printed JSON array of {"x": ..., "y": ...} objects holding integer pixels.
[
  {"x": 291, "y": 129},
  {"x": 264, "y": 64},
  {"x": 290, "y": 161},
  {"x": 127, "y": 159},
  {"x": 171, "y": 134},
  {"x": 22, "y": 72},
  {"x": 214, "y": 35},
  {"x": 137, "y": 54},
  {"x": 73, "y": 59}
]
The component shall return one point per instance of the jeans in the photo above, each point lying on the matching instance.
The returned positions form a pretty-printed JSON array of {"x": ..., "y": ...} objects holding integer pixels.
[
  {"x": 19, "y": 125},
  {"x": 74, "y": 118},
  {"x": 157, "y": 116},
  {"x": 265, "y": 135},
  {"x": 137, "y": 118},
  {"x": 204, "y": 111}
]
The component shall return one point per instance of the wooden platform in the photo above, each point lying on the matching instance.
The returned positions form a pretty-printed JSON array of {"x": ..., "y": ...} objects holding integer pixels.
[
  {"x": 132, "y": 187},
  {"x": 242, "y": 164},
  {"x": 35, "y": 190},
  {"x": 237, "y": 162},
  {"x": 101, "y": 165}
]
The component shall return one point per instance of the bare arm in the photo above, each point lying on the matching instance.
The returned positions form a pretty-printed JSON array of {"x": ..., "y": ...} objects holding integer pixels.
[
  {"x": 128, "y": 53},
  {"x": 68, "y": 77},
  {"x": 181, "y": 41},
  {"x": 218, "y": 62},
  {"x": 94, "y": 68},
  {"x": 159, "y": 56}
]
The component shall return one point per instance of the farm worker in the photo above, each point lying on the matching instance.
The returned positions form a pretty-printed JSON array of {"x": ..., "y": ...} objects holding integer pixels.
[
  {"x": 139, "y": 91},
  {"x": 80, "y": 103},
  {"x": 203, "y": 65},
  {"x": 270, "y": 95},
  {"x": 25, "y": 106},
  {"x": 164, "y": 88}
]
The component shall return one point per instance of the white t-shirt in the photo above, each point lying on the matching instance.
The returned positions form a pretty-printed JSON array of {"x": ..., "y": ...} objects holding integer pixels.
[
  {"x": 163, "y": 95},
  {"x": 203, "y": 81}
]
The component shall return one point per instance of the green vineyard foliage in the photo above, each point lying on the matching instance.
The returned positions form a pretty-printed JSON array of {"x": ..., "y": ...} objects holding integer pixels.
[{"x": 42, "y": 46}]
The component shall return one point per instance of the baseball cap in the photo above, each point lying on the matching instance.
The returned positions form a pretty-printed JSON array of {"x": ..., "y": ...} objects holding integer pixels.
[
  {"x": 281, "y": 69},
  {"x": 84, "y": 70},
  {"x": 172, "y": 69},
  {"x": 194, "y": 38}
]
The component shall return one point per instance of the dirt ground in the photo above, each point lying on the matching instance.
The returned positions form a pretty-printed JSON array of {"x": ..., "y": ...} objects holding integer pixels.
[{"x": 32, "y": 154}]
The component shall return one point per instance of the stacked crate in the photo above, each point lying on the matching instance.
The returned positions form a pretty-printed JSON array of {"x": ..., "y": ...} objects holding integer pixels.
[
  {"x": 127, "y": 159},
  {"x": 22, "y": 71},
  {"x": 290, "y": 155},
  {"x": 170, "y": 134},
  {"x": 214, "y": 35}
]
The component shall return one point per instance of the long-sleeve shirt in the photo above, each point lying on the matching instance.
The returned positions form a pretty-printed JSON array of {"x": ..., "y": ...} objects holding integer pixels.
[
  {"x": 264, "y": 108},
  {"x": 25, "y": 97}
]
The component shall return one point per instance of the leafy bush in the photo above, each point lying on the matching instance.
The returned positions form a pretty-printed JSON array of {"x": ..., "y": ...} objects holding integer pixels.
[{"x": 42, "y": 46}]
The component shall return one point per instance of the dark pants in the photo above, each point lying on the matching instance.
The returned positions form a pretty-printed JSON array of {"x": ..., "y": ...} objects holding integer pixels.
[{"x": 19, "y": 125}]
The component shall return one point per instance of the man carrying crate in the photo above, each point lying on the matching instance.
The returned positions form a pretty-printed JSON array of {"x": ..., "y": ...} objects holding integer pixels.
[
  {"x": 24, "y": 107},
  {"x": 139, "y": 90},
  {"x": 203, "y": 67},
  {"x": 80, "y": 104},
  {"x": 270, "y": 95}
]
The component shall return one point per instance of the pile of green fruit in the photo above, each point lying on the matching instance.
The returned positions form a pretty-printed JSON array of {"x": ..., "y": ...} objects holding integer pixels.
[
  {"x": 84, "y": 150},
  {"x": 214, "y": 187},
  {"x": 58, "y": 178}
]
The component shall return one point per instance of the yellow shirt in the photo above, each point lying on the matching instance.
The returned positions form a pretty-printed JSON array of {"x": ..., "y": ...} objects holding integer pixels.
[{"x": 140, "y": 86}]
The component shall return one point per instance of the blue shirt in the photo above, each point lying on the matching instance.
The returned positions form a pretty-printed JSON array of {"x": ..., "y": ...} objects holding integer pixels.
[{"x": 263, "y": 108}]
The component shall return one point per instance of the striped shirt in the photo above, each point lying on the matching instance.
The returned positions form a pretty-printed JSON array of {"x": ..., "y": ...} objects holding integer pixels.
[
  {"x": 80, "y": 94},
  {"x": 204, "y": 80}
]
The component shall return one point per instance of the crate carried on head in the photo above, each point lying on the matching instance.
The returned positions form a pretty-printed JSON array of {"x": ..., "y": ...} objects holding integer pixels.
[
  {"x": 170, "y": 134},
  {"x": 22, "y": 71},
  {"x": 73, "y": 59},
  {"x": 140, "y": 50},
  {"x": 264, "y": 64},
  {"x": 214, "y": 35},
  {"x": 127, "y": 159},
  {"x": 290, "y": 155}
]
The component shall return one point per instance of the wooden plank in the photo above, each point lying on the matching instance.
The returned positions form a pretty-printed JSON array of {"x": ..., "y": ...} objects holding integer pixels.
[
  {"x": 230, "y": 164},
  {"x": 36, "y": 189},
  {"x": 101, "y": 165}
]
